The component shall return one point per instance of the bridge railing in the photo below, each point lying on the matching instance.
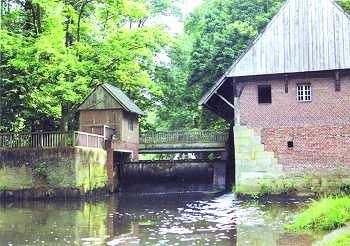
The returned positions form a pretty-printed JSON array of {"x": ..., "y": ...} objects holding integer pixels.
[
  {"x": 188, "y": 137},
  {"x": 50, "y": 140}
]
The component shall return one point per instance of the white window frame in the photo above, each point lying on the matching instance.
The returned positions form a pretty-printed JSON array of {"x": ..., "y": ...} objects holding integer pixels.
[{"x": 304, "y": 92}]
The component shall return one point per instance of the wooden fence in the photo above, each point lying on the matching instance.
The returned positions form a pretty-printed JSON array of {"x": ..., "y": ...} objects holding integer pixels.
[
  {"x": 50, "y": 140},
  {"x": 175, "y": 137}
]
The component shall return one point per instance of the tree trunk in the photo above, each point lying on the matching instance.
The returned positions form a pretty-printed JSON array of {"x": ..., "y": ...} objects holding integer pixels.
[
  {"x": 79, "y": 19},
  {"x": 69, "y": 36},
  {"x": 64, "y": 117}
]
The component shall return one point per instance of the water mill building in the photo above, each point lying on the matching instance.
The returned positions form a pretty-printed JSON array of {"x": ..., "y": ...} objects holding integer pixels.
[{"x": 288, "y": 95}]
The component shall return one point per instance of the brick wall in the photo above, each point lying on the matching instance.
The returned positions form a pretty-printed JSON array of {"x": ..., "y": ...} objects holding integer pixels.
[
  {"x": 320, "y": 130},
  {"x": 315, "y": 147},
  {"x": 328, "y": 107}
]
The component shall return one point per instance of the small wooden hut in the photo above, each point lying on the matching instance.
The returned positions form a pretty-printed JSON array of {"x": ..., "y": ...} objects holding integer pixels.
[{"x": 107, "y": 107}]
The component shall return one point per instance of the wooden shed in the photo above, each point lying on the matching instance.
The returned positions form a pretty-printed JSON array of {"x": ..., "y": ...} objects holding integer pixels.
[{"x": 107, "y": 106}]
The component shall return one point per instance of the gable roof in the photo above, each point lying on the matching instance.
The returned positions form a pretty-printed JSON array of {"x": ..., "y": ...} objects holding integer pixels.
[
  {"x": 126, "y": 103},
  {"x": 304, "y": 36}
]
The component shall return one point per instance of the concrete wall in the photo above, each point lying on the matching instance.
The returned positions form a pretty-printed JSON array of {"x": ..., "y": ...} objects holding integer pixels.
[{"x": 70, "y": 172}]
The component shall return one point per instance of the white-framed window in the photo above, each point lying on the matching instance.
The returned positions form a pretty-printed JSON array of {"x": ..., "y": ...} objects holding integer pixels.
[
  {"x": 304, "y": 93},
  {"x": 130, "y": 124}
]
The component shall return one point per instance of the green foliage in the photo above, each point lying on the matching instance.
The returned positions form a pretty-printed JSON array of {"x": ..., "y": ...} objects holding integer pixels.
[
  {"x": 327, "y": 214},
  {"x": 265, "y": 189},
  {"x": 54, "y": 52},
  {"x": 345, "y": 4},
  {"x": 343, "y": 240},
  {"x": 41, "y": 170},
  {"x": 221, "y": 30}
]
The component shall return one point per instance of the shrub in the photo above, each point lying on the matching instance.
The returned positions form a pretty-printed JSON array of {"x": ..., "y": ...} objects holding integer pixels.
[
  {"x": 343, "y": 240},
  {"x": 327, "y": 214}
]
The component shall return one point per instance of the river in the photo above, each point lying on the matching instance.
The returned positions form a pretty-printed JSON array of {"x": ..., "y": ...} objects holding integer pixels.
[{"x": 187, "y": 219}]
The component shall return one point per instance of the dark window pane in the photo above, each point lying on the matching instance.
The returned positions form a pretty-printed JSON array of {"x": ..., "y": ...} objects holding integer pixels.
[{"x": 264, "y": 94}]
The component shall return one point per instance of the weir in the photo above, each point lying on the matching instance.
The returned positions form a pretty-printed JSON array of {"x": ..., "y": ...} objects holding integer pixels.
[{"x": 188, "y": 174}]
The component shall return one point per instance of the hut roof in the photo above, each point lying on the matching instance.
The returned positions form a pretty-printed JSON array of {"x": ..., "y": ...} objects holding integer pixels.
[
  {"x": 125, "y": 102},
  {"x": 304, "y": 36}
]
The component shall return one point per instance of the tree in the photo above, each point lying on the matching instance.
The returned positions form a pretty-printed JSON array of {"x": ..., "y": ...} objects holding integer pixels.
[{"x": 54, "y": 52}]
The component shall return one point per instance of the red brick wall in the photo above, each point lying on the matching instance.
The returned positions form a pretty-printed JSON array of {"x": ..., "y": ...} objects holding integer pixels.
[
  {"x": 315, "y": 147},
  {"x": 328, "y": 107},
  {"x": 319, "y": 129}
]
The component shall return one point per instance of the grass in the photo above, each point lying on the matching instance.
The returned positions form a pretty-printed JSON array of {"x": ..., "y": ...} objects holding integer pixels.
[
  {"x": 324, "y": 215},
  {"x": 343, "y": 240}
]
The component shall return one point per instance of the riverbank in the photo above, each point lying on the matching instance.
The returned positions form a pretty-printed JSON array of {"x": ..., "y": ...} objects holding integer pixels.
[
  {"x": 317, "y": 184},
  {"x": 330, "y": 215}
]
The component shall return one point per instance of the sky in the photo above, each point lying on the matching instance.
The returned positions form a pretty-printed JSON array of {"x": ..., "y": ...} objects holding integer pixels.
[
  {"x": 176, "y": 26},
  {"x": 189, "y": 5}
]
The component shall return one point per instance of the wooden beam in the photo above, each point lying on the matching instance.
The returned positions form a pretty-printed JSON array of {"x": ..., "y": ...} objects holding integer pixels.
[
  {"x": 286, "y": 83},
  {"x": 225, "y": 100},
  {"x": 337, "y": 81}
]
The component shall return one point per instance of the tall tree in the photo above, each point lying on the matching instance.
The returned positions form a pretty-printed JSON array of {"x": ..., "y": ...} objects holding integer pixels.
[{"x": 54, "y": 52}]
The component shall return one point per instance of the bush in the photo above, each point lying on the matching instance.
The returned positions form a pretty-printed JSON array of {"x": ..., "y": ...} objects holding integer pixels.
[
  {"x": 327, "y": 214},
  {"x": 343, "y": 240}
]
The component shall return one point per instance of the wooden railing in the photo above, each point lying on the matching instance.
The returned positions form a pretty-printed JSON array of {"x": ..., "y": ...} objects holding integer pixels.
[
  {"x": 50, "y": 140},
  {"x": 103, "y": 130},
  {"x": 174, "y": 137},
  {"x": 88, "y": 140}
]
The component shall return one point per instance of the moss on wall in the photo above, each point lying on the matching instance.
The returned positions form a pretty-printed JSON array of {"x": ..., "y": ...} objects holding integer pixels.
[
  {"x": 298, "y": 185},
  {"x": 15, "y": 177},
  {"x": 47, "y": 173}
]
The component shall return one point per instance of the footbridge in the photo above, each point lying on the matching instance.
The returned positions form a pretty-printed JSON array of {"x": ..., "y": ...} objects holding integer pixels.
[{"x": 183, "y": 141}]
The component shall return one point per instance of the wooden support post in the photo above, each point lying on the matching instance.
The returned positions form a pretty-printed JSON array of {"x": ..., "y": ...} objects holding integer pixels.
[
  {"x": 286, "y": 84},
  {"x": 337, "y": 81}
]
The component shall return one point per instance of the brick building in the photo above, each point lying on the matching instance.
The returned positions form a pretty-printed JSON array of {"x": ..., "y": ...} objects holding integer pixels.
[{"x": 288, "y": 94}]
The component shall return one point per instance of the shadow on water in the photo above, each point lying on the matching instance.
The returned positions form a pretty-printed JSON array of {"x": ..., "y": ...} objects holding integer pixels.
[{"x": 187, "y": 219}]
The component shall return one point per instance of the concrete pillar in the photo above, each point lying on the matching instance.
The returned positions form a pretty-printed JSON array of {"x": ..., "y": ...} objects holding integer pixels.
[{"x": 237, "y": 111}]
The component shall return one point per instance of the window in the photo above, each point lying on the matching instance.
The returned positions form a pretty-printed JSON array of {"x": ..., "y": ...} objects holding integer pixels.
[
  {"x": 304, "y": 93},
  {"x": 131, "y": 125},
  {"x": 264, "y": 94}
]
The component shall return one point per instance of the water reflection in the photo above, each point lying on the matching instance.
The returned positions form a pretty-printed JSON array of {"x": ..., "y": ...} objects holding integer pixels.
[{"x": 149, "y": 220}]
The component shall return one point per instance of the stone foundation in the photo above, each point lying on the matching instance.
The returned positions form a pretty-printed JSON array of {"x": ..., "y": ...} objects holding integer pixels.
[{"x": 253, "y": 163}]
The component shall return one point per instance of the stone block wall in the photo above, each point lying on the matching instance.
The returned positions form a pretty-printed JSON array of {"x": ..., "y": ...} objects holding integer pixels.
[
  {"x": 253, "y": 163},
  {"x": 40, "y": 173}
]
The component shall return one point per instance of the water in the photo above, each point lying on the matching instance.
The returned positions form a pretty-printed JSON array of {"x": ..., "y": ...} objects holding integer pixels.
[{"x": 190, "y": 219}]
